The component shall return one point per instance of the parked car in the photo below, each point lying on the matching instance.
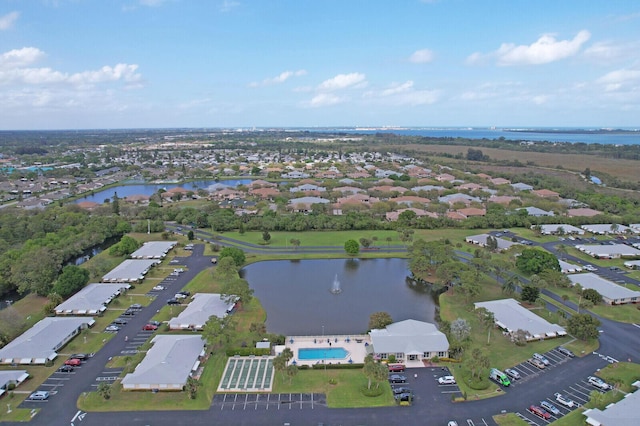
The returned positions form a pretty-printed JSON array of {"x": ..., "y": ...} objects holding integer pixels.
[
  {"x": 179, "y": 296},
  {"x": 401, "y": 389},
  {"x": 178, "y": 270},
  {"x": 542, "y": 358},
  {"x": 66, "y": 369},
  {"x": 79, "y": 356},
  {"x": 537, "y": 363},
  {"x": 407, "y": 396},
  {"x": 397, "y": 378},
  {"x": 564, "y": 400},
  {"x": 452, "y": 423},
  {"x": 512, "y": 373},
  {"x": 156, "y": 323},
  {"x": 150, "y": 327},
  {"x": 565, "y": 351},
  {"x": 590, "y": 268},
  {"x": 185, "y": 293},
  {"x": 539, "y": 411},
  {"x": 39, "y": 395},
  {"x": 74, "y": 362},
  {"x": 599, "y": 383},
  {"x": 136, "y": 306},
  {"x": 129, "y": 313},
  {"x": 396, "y": 368},
  {"x": 120, "y": 321},
  {"x": 447, "y": 380},
  {"x": 173, "y": 302},
  {"x": 158, "y": 288},
  {"x": 112, "y": 328},
  {"x": 550, "y": 407}
]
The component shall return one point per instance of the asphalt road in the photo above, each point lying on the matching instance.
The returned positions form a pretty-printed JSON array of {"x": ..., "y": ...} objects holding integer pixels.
[{"x": 432, "y": 406}]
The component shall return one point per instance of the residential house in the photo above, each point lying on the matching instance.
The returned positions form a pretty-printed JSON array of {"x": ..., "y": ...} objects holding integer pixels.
[{"x": 410, "y": 341}]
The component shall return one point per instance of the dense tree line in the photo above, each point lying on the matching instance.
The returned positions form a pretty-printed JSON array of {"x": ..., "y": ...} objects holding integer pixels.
[{"x": 35, "y": 245}]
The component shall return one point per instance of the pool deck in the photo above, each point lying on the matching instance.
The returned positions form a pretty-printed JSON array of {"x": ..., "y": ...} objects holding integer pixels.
[{"x": 355, "y": 345}]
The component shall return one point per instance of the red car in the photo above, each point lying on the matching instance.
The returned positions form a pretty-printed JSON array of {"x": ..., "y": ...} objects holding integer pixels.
[
  {"x": 539, "y": 411},
  {"x": 74, "y": 362},
  {"x": 150, "y": 327},
  {"x": 396, "y": 368}
]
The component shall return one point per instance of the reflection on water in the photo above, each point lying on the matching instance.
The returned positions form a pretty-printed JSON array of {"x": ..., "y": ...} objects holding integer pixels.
[{"x": 298, "y": 300}]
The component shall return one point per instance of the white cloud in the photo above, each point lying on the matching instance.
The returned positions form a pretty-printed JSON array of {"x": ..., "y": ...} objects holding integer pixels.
[
  {"x": 8, "y": 20},
  {"x": 281, "y": 78},
  {"x": 422, "y": 56},
  {"x": 343, "y": 81},
  {"x": 623, "y": 79},
  {"x": 325, "y": 99},
  {"x": 605, "y": 52},
  {"x": 16, "y": 66},
  {"x": 20, "y": 57},
  {"x": 404, "y": 94},
  {"x": 543, "y": 51},
  {"x": 227, "y": 5},
  {"x": 397, "y": 88},
  {"x": 151, "y": 3}
]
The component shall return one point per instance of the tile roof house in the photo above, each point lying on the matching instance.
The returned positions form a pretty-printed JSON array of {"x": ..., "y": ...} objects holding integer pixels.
[
  {"x": 393, "y": 216},
  {"x": 583, "y": 212},
  {"x": 499, "y": 181},
  {"x": 410, "y": 341},
  {"x": 410, "y": 200},
  {"x": 545, "y": 193}
]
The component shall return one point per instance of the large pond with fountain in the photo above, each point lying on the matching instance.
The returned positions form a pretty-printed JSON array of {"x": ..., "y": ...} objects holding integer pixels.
[{"x": 337, "y": 296}]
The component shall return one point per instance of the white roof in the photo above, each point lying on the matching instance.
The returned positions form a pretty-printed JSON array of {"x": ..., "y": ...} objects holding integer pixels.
[
  {"x": 42, "y": 340},
  {"x": 12, "y": 376},
  {"x": 130, "y": 270},
  {"x": 568, "y": 229},
  {"x": 621, "y": 413},
  {"x": 512, "y": 316},
  {"x": 605, "y": 228},
  {"x": 632, "y": 263},
  {"x": 168, "y": 362},
  {"x": 535, "y": 211},
  {"x": 409, "y": 337},
  {"x": 91, "y": 299},
  {"x": 308, "y": 200},
  {"x": 482, "y": 239},
  {"x": 200, "y": 309},
  {"x": 606, "y": 288},
  {"x": 569, "y": 268},
  {"x": 153, "y": 250},
  {"x": 609, "y": 250}
]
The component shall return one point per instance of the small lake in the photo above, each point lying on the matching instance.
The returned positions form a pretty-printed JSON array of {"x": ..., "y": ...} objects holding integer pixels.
[
  {"x": 150, "y": 189},
  {"x": 298, "y": 298}
]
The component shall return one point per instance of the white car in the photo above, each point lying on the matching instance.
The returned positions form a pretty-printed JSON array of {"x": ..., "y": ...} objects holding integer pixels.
[
  {"x": 178, "y": 270},
  {"x": 158, "y": 288},
  {"x": 599, "y": 383},
  {"x": 590, "y": 268},
  {"x": 447, "y": 380},
  {"x": 550, "y": 407},
  {"x": 180, "y": 296},
  {"x": 39, "y": 395},
  {"x": 564, "y": 400}
]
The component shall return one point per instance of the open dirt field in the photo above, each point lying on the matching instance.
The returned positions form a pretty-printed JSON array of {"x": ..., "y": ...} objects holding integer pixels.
[{"x": 622, "y": 169}]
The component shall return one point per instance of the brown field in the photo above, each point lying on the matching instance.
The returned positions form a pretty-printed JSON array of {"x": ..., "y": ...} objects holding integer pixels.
[{"x": 622, "y": 169}]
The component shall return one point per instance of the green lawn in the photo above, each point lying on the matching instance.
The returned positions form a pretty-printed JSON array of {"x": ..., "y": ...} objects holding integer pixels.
[
  {"x": 344, "y": 392},
  {"x": 623, "y": 313},
  {"x": 509, "y": 419}
]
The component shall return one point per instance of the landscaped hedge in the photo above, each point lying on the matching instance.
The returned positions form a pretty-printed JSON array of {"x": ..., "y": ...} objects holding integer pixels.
[
  {"x": 248, "y": 351},
  {"x": 337, "y": 366}
]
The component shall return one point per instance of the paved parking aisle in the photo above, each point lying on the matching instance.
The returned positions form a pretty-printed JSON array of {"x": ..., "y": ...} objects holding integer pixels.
[{"x": 269, "y": 401}]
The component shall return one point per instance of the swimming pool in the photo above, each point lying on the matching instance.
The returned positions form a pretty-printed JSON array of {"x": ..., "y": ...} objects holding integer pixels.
[{"x": 307, "y": 354}]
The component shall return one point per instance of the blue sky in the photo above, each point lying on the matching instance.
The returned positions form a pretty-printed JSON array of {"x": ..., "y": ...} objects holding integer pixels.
[{"x": 283, "y": 63}]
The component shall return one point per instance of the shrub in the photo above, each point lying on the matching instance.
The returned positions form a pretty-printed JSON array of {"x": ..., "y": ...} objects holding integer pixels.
[
  {"x": 337, "y": 366},
  {"x": 248, "y": 351},
  {"x": 373, "y": 392}
]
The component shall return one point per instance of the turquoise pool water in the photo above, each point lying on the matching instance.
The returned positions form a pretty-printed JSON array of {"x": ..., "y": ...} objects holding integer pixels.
[{"x": 322, "y": 353}]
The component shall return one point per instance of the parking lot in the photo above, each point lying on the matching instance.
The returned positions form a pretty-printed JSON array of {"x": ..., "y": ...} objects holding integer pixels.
[
  {"x": 529, "y": 371},
  {"x": 269, "y": 401}
]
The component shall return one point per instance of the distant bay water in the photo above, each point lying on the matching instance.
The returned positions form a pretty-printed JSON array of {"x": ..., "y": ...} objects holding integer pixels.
[{"x": 589, "y": 136}]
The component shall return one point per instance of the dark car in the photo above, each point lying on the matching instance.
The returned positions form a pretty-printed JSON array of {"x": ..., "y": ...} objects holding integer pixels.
[
  {"x": 66, "y": 369},
  {"x": 79, "y": 356},
  {"x": 120, "y": 321},
  {"x": 401, "y": 389},
  {"x": 129, "y": 313},
  {"x": 173, "y": 301},
  {"x": 566, "y": 352},
  {"x": 156, "y": 323},
  {"x": 407, "y": 396},
  {"x": 397, "y": 378}
]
